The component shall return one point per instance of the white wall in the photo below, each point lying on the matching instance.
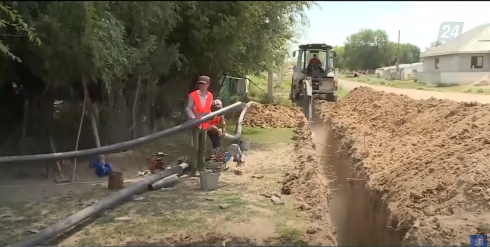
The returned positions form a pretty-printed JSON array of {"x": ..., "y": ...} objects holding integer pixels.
[
  {"x": 461, "y": 78},
  {"x": 448, "y": 63},
  {"x": 428, "y": 77},
  {"x": 465, "y": 63},
  {"x": 419, "y": 67},
  {"x": 455, "y": 63}
]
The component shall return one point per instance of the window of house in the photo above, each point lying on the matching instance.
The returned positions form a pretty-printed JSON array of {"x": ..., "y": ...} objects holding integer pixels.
[
  {"x": 436, "y": 64},
  {"x": 477, "y": 62}
]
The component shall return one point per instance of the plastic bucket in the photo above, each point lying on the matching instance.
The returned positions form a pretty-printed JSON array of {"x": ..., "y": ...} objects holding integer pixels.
[
  {"x": 245, "y": 145},
  {"x": 209, "y": 180}
]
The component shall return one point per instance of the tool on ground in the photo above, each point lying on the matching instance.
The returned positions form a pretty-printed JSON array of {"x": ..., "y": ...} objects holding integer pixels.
[
  {"x": 234, "y": 152},
  {"x": 61, "y": 178},
  {"x": 157, "y": 163},
  {"x": 223, "y": 156}
]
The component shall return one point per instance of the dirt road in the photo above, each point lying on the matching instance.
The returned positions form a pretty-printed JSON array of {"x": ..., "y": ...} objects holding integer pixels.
[{"x": 419, "y": 94}]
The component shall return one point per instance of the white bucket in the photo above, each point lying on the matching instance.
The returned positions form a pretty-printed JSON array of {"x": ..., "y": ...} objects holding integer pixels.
[
  {"x": 245, "y": 145},
  {"x": 209, "y": 180}
]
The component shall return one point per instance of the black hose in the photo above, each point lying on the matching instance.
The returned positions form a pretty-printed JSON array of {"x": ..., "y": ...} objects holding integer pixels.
[
  {"x": 166, "y": 182},
  {"x": 96, "y": 208},
  {"x": 121, "y": 145}
]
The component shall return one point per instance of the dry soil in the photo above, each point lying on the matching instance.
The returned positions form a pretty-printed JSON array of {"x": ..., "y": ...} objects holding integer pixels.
[
  {"x": 419, "y": 94},
  {"x": 272, "y": 116},
  {"x": 273, "y": 200},
  {"x": 428, "y": 159}
]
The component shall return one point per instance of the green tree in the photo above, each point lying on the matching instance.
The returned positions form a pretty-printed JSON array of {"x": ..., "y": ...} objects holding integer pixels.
[
  {"x": 339, "y": 61},
  {"x": 409, "y": 53},
  {"x": 368, "y": 49},
  {"x": 11, "y": 21},
  {"x": 123, "y": 50}
]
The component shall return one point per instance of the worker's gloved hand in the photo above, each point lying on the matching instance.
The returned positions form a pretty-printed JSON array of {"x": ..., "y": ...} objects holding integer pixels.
[{"x": 220, "y": 132}]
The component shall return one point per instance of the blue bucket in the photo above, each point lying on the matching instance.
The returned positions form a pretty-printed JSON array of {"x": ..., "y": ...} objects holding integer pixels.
[{"x": 102, "y": 170}]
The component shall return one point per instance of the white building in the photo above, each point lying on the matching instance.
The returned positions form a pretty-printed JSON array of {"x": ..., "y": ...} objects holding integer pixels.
[
  {"x": 406, "y": 71},
  {"x": 461, "y": 61}
]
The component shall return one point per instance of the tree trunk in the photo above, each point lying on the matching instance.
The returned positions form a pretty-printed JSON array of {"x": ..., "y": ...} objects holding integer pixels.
[
  {"x": 53, "y": 149},
  {"x": 95, "y": 108},
  {"x": 279, "y": 83},
  {"x": 93, "y": 121},
  {"x": 25, "y": 120},
  {"x": 47, "y": 104},
  {"x": 135, "y": 106},
  {"x": 270, "y": 95},
  {"x": 78, "y": 137}
]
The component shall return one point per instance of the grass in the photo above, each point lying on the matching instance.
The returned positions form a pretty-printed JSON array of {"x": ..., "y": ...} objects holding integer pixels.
[
  {"x": 267, "y": 136},
  {"x": 341, "y": 93},
  {"x": 411, "y": 84},
  {"x": 258, "y": 89},
  {"x": 185, "y": 211}
]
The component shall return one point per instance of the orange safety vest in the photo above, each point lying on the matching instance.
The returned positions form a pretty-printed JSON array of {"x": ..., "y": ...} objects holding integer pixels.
[
  {"x": 200, "y": 110},
  {"x": 216, "y": 121}
]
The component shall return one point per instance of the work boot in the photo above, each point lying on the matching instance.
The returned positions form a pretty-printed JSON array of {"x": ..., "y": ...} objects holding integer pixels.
[{"x": 194, "y": 172}]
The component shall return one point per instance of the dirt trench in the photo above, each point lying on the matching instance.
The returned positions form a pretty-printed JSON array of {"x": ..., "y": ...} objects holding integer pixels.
[
  {"x": 358, "y": 214},
  {"x": 404, "y": 171}
]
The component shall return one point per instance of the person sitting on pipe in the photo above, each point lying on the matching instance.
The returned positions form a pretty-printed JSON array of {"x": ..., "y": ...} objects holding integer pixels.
[
  {"x": 217, "y": 128},
  {"x": 198, "y": 105}
]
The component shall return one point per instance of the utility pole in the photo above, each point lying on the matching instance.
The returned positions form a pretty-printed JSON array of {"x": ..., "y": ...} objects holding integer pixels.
[{"x": 398, "y": 52}]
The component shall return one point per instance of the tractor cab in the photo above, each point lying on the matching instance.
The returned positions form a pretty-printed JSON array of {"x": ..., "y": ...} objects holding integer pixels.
[
  {"x": 315, "y": 64},
  {"x": 315, "y": 60}
]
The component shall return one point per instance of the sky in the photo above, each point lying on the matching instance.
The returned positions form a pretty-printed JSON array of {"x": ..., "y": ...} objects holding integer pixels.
[{"x": 417, "y": 21}]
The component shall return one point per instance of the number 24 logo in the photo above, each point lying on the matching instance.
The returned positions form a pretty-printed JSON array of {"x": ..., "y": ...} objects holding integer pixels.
[
  {"x": 450, "y": 30},
  {"x": 479, "y": 242},
  {"x": 447, "y": 30}
]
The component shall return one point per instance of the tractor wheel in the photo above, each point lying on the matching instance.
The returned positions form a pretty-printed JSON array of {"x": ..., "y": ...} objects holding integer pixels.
[{"x": 331, "y": 97}]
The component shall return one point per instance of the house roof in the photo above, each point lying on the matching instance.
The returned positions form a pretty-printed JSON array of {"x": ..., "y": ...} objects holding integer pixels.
[
  {"x": 476, "y": 40},
  {"x": 401, "y": 66}
]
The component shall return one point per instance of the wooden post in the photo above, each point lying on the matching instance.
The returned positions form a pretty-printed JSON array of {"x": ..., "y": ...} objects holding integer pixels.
[{"x": 270, "y": 95}]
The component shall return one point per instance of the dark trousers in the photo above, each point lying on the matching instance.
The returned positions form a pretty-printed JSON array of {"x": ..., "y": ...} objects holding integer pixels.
[
  {"x": 215, "y": 140},
  {"x": 198, "y": 147}
]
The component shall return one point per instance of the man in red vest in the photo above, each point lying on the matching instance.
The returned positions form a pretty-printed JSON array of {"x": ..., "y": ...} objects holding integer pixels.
[
  {"x": 198, "y": 105},
  {"x": 217, "y": 127}
]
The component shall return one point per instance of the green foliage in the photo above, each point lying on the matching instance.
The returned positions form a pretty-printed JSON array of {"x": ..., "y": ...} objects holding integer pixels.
[
  {"x": 10, "y": 19},
  {"x": 371, "y": 49},
  {"x": 339, "y": 61},
  {"x": 368, "y": 49},
  {"x": 111, "y": 40}
]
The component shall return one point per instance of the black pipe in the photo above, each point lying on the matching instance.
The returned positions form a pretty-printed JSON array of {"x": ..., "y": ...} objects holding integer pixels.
[
  {"x": 121, "y": 145},
  {"x": 166, "y": 182},
  {"x": 96, "y": 208}
]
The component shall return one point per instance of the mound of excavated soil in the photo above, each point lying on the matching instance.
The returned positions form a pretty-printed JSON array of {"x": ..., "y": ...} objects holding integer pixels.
[
  {"x": 430, "y": 158},
  {"x": 484, "y": 81},
  {"x": 272, "y": 116},
  {"x": 308, "y": 185}
]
